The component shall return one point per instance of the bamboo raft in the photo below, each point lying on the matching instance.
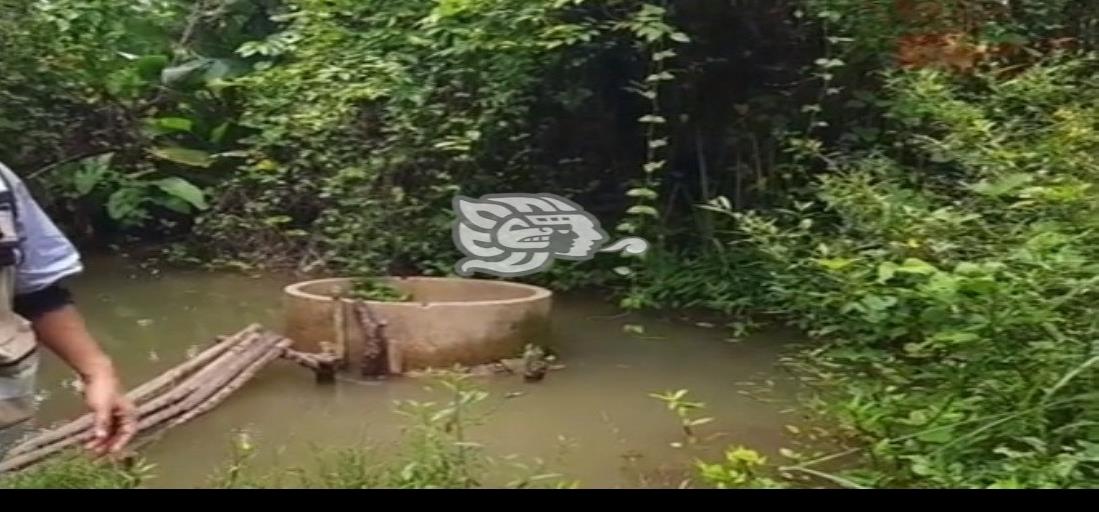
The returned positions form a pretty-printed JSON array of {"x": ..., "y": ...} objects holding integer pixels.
[{"x": 183, "y": 393}]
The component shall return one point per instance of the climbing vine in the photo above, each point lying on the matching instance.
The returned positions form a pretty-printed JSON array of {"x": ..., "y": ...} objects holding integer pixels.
[{"x": 658, "y": 38}]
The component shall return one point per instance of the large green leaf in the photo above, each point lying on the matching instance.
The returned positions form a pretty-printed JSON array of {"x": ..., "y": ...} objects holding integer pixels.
[
  {"x": 175, "y": 204},
  {"x": 183, "y": 189},
  {"x": 203, "y": 70},
  {"x": 217, "y": 135},
  {"x": 643, "y": 210},
  {"x": 183, "y": 72},
  {"x": 916, "y": 266},
  {"x": 86, "y": 178},
  {"x": 184, "y": 156},
  {"x": 173, "y": 124},
  {"x": 886, "y": 271},
  {"x": 1003, "y": 185},
  {"x": 150, "y": 67},
  {"x": 224, "y": 69},
  {"x": 91, "y": 172},
  {"x": 124, "y": 202}
]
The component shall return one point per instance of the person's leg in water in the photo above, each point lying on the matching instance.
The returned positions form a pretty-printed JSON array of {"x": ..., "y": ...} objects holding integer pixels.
[{"x": 17, "y": 402}]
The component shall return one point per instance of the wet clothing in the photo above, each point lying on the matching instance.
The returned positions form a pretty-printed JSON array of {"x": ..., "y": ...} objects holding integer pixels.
[{"x": 34, "y": 257}]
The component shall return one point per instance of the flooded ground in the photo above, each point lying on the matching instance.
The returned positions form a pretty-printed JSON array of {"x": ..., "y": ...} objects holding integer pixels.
[{"x": 593, "y": 421}]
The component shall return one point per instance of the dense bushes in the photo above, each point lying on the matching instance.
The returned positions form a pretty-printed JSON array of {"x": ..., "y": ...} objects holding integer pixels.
[
  {"x": 942, "y": 248},
  {"x": 954, "y": 276},
  {"x": 378, "y": 113},
  {"x": 120, "y": 113},
  {"x": 370, "y": 117},
  {"x": 303, "y": 118}
]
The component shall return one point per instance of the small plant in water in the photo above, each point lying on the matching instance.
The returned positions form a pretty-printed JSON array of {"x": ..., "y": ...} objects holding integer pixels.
[
  {"x": 685, "y": 411},
  {"x": 435, "y": 452},
  {"x": 439, "y": 453},
  {"x": 742, "y": 468},
  {"x": 243, "y": 451}
]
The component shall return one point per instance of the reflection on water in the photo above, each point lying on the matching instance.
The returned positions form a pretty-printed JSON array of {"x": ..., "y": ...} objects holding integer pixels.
[{"x": 593, "y": 421}]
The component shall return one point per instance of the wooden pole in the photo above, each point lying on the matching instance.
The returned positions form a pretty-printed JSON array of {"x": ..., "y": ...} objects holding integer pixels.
[
  {"x": 324, "y": 365},
  {"x": 375, "y": 358},
  {"x": 173, "y": 376},
  {"x": 339, "y": 327},
  {"x": 140, "y": 393},
  {"x": 229, "y": 365},
  {"x": 201, "y": 376},
  {"x": 241, "y": 379},
  {"x": 202, "y": 388}
]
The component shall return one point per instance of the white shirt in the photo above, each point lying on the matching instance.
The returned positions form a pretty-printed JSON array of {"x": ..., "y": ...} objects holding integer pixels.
[{"x": 46, "y": 256}]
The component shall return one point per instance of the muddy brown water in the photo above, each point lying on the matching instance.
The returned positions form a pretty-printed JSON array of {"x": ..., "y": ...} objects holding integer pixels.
[{"x": 593, "y": 422}]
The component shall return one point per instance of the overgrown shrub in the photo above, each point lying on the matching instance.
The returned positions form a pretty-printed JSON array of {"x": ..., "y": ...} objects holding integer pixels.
[
  {"x": 76, "y": 471},
  {"x": 378, "y": 113},
  {"x": 141, "y": 86},
  {"x": 953, "y": 277}
]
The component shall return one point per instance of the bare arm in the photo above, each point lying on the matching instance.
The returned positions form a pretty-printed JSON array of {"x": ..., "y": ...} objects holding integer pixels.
[{"x": 62, "y": 331}]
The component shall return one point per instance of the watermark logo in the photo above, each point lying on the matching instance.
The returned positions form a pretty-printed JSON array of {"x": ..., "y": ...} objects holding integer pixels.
[{"x": 511, "y": 235}]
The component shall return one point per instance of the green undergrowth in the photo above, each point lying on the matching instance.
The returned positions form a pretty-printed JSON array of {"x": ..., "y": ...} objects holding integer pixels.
[{"x": 435, "y": 451}]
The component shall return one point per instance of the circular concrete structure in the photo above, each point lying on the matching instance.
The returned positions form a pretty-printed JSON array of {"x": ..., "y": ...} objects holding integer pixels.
[{"x": 448, "y": 321}]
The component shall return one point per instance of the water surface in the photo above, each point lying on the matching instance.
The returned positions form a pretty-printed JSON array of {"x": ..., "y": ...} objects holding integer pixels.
[{"x": 593, "y": 421}]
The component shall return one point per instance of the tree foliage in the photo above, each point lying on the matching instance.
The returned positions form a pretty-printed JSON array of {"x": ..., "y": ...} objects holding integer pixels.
[
  {"x": 953, "y": 277},
  {"x": 911, "y": 181}
]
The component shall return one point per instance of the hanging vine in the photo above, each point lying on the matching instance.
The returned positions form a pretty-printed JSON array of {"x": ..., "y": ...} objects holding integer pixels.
[{"x": 650, "y": 26}]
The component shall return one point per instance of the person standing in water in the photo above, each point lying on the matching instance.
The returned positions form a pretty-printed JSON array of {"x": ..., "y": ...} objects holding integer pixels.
[{"x": 36, "y": 309}]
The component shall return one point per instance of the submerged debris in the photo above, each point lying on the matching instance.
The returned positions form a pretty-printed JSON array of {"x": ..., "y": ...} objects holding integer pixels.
[
  {"x": 175, "y": 397},
  {"x": 529, "y": 364},
  {"x": 535, "y": 364}
]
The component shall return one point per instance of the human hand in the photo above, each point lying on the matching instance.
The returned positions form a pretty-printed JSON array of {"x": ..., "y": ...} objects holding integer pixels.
[{"x": 114, "y": 421}]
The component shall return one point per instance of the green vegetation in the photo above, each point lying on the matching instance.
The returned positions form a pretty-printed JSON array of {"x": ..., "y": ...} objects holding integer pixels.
[
  {"x": 373, "y": 289},
  {"x": 911, "y": 182},
  {"x": 77, "y": 471},
  {"x": 954, "y": 280},
  {"x": 435, "y": 452}
]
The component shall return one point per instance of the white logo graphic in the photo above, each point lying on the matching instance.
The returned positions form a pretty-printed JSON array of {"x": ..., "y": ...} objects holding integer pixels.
[{"x": 511, "y": 235}]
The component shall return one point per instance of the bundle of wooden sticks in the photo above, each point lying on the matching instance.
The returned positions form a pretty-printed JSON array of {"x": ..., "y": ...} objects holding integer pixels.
[{"x": 180, "y": 394}]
